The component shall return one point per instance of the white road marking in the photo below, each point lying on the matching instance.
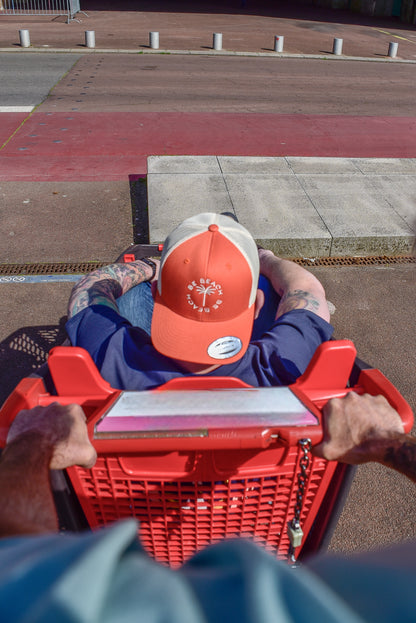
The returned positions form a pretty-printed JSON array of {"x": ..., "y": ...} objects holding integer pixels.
[
  {"x": 38, "y": 278},
  {"x": 16, "y": 108}
]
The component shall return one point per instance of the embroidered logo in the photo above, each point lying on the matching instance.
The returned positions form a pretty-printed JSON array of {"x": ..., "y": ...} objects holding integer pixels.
[{"x": 204, "y": 296}]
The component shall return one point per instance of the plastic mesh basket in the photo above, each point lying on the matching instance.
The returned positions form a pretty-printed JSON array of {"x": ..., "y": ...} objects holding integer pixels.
[{"x": 178, "y": 517}]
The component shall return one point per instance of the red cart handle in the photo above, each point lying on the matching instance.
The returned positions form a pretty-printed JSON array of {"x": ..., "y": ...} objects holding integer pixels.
[{"x": 77, "y": 380}]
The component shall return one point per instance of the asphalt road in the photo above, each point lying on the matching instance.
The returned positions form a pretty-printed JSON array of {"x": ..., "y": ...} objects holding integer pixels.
[
  {"x": 25, "y": 80},
  {"x": 116, "y": 82}
]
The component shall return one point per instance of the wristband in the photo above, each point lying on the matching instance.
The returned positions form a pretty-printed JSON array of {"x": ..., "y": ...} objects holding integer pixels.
[{"x": 150, "y": 263}]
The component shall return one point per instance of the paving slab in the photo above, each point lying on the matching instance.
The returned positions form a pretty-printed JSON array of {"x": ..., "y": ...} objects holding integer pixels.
[
  {"x": 279, "y": 214},
  {"x": 307, "y": 207},
  {"x": 323, "y": 166},
  {"x": 179, "y": 196},
  {"x": 359, "y": 219},
  {"x": 400, "y": 193}
]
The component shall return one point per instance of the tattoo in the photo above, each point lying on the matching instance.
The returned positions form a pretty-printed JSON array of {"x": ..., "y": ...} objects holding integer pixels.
[
  {"x": 298, "y": 299},
  {"x": 104, "y": 285},
  {"x": 402, "y": 458}
]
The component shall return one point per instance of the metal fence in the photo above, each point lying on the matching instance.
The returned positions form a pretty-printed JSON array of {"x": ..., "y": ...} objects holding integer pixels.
[{"x": 68, "y": 8}]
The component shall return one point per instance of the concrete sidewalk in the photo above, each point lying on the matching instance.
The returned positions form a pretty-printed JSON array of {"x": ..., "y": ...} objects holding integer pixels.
[
  {"x": 298, "y": 207},
  {"x": 187, "y": 27}
]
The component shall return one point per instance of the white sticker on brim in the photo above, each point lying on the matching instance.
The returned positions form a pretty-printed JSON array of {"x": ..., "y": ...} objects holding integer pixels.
[{"x": 225, "y": 347}]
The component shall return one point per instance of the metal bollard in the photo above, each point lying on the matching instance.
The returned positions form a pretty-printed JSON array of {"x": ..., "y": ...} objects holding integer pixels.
[
  {"x": 154, "y": 40},
  {"x": 24, "y": 38},
  {"x": 90, "y": 38},
  {"x": 337, "y": 47},
  {"x": 278, "y": 43},
  {"x": 393, "y": 47},
  {"x": 217, "y": 41}
]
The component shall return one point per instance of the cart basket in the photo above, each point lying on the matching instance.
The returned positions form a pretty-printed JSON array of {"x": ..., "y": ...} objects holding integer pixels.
[{"x": 202, "y": 459}]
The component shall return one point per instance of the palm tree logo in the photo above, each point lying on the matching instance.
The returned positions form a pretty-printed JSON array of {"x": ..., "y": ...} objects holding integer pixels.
[{"x": 205, "y": 291}]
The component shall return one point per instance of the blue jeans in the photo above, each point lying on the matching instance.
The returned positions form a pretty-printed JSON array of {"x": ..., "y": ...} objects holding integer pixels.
[{"x": 137, "y": 306}]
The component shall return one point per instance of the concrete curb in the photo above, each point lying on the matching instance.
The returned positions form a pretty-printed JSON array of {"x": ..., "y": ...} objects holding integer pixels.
[{"x": 281, "y": 55}]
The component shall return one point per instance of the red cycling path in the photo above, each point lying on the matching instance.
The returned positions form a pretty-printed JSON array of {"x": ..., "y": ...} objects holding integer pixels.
[{"x": 112, "y": 146}]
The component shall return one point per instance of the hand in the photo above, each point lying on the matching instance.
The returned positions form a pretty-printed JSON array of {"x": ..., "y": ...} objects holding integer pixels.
[
  {"x": 63, "y": 427},
  {"x": 356, "y": 428},
  {"x": 265, "y": 258},
  {"x": 264, "y": 253},
  {"x": 157, "y": 262}
]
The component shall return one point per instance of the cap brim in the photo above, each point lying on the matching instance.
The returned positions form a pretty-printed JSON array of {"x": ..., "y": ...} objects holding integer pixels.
[{"x": 200, "y": 341}]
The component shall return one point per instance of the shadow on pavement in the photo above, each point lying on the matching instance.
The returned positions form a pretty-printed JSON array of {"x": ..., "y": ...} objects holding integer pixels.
[
  {"x": 286, "y": 9},
  {"x": 140, "y": 209},
  {"x": 24, "y": 351}
]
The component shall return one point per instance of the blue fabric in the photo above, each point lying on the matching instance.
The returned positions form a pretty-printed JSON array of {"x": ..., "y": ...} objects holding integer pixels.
[
  {"x": 106, "y": 577},
  {"x": 136, "y": 306},
  {"x": 127, "y": 360}
]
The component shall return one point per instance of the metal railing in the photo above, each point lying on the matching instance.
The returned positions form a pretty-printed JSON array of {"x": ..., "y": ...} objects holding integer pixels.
[{"x": 67, "y": 8}]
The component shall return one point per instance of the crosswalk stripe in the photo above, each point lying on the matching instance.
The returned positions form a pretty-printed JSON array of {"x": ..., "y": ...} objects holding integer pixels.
[{"x": 16, "y": 108}]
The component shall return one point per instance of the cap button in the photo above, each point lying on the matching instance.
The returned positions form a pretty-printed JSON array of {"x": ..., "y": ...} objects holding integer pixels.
[{"x": 213, "y": 227}]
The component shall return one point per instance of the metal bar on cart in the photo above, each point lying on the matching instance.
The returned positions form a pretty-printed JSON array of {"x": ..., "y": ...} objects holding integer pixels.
[{"x": 193, "y": 413}]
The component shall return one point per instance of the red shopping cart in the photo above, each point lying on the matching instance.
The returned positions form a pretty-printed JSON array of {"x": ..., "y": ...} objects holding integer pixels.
[{"x": 204, "y": 459}]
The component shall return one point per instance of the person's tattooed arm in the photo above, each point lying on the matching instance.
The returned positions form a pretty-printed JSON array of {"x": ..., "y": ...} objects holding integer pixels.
[
  {"x": 400, "y": 455},
  {"x": 299, "y": 299},
  {"x": 297, "y": 287},
  {"x": 104, "y": 285}
]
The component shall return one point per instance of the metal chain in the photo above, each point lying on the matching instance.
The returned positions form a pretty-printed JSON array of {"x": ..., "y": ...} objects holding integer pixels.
[
  {"x": 294, "y": 525},
  {"x": 304, "y": 461}
]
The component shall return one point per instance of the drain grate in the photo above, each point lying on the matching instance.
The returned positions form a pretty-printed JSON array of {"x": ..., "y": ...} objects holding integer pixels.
[
  {"x": 46, "y": 268},
  {"x": 383, "y": 260},
  {"x": 68, "y": 268}
]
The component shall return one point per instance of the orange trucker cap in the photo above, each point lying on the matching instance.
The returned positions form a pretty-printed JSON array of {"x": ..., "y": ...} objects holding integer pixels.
[{"x": 206, "y": 291}]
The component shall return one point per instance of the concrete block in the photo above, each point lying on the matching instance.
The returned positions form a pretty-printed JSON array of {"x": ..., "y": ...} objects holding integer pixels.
[
  {"x": 183, "y": 164},
  {"x": 386, "y": 166},
  {"x": 359, "y": 219},
  {"x": 372, "y": 245},
  {"x": 279, "y": 215},
  {"x": 292, "y": 247},
  {"x": 174, "y": 197},
  {"x": 400, "y": 193},
  {"x": 254, "y": 165},
  {"x": 295, "y": 206},
  {"x": 316, "y": 166}
]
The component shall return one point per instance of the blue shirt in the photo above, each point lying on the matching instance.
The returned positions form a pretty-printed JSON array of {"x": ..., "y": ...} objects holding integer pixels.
[
  {"x": 127, "y": 359},
  {"x": 106, "y": 577}
]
